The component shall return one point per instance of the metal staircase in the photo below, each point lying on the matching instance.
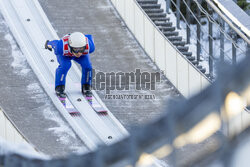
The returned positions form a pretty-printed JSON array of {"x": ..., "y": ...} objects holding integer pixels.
[{"x": 157, "y": 15}]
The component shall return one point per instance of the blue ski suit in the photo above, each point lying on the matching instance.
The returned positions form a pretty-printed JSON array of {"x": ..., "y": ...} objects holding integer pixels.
[{"x": 64, "y": 61}]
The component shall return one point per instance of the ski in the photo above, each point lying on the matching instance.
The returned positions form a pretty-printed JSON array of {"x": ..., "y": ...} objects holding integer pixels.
[
  {"x": 68, "y": 106},
  {"x": 93, "y": 102},
  {"x": 97, "y": 107}
]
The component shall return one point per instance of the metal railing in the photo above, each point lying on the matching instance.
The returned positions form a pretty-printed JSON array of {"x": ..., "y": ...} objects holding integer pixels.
[{"x": 216, "y": 19}]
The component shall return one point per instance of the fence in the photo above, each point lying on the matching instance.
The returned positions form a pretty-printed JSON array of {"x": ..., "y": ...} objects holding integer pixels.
[{"x": 226, "y": 24}]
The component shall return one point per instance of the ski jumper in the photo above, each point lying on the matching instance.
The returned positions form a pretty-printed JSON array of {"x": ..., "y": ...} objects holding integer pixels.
[{"x": 64, "y": 57}]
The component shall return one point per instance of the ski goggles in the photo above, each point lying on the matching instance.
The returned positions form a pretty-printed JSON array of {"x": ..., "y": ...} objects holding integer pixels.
[{"x": 79, "y": 50}]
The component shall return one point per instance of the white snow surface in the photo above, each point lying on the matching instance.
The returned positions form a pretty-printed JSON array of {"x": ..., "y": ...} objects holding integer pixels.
[
  {"x": 62, "y": 130},
  {"x": 23, "y": 149}
]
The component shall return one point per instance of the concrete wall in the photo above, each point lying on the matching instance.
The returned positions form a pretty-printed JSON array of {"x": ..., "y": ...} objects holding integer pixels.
[
  {"x": 183, "y": 75},
  {"x": 8, "y": 131}
]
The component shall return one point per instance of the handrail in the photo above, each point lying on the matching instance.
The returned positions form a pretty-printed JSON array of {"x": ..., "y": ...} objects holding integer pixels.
[
  {"x": 231, "y": 24},
  {"x": 236, "y": 14}
]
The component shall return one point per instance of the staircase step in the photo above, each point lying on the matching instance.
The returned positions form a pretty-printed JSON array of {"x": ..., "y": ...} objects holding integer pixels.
[
  {"x": 178, "y": 38},
  {"x": 203, "y": 70},
  {"x": 179, "y": 43},
  {"x": 150, "y": 6},
  {"x": 182, "y": 48},
  {"x": 199, "y": 66},
  {"x": 153, "y": 10},
  {"x": 147, "y": 1},
  {"x": 191, "y": 58},
  {"x": 168, "y": 34},
  {"x": 166, "y": 24},
  {"x": 157, "y": 14},
  {"x": 160, "y": 18},
  {"x": 195, "y": 62},
  {"x": 167, "y": 29},
  {"x": 208, "y": 75},
  {"x": 187, "y": 53}
]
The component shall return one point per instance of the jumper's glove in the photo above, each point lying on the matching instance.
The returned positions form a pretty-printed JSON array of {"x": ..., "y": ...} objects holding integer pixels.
[{"x": 49, "y": 47}]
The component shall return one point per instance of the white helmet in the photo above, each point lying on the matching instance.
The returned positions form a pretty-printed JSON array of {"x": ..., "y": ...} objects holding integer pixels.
[{"x": 77, "y": 40}]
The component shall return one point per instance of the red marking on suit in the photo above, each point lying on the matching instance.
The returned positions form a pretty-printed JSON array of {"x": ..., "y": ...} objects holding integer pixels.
[{"x": 66, "y": 49}]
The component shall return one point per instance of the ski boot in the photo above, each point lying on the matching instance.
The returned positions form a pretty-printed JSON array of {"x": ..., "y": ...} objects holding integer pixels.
[
  {"x": 60, "y": 91},
  {"x": 86, "y": 90}
]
